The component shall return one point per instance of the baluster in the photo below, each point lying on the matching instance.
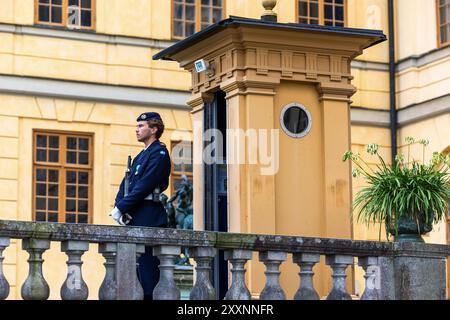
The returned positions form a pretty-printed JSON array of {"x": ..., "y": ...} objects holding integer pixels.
[
  {"x": 238, "y": 290},
  {"x": 35, "y": 287},
  {"x": 126, "y": 272},
  {"x": 203, "y": 289},
  {"x": 74, "y": 288},
  {"x": 138, "y": 290},
  {"x": 372, "y": 276},
  {"x": 272, "y": 290},
  {"x": 166, "y": 289},
  {"x": 4, "y": 285},
  {"x": 339, "y": 264},
  {"x": 108, "y": 289},
  {"x": 306, "y": 262}
]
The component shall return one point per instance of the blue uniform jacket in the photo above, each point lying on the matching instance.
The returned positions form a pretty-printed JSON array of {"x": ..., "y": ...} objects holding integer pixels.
[{"x": 150, "y": 169}]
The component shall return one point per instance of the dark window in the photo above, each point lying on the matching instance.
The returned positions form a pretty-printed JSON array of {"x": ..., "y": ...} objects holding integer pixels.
[
  {"x": 295, "y": 120},
  {"x": 62, "y": 177},
  {"x": 74, "y": 14},
  {"x": 325, "y": 12},
  {"x": 443, "y": 25},
  {"x": 182, "y": 162},
  {"x": 190, "y": 16}
]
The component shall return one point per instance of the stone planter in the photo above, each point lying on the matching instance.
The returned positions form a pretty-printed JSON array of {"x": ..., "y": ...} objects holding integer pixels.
[{"x": 409, "y": 229}]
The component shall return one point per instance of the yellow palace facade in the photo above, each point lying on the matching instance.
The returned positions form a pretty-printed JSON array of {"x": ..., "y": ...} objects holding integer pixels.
[{"x": 75, "y": 74}]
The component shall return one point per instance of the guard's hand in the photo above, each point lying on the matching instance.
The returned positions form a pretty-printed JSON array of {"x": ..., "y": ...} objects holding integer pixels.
[
  {"x": 116, "y": 214},
  {"x": 124, "y": 219}
]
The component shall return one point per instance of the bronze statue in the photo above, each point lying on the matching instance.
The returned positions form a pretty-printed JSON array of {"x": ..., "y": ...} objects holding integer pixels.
[{"x": 181, "y": 215}]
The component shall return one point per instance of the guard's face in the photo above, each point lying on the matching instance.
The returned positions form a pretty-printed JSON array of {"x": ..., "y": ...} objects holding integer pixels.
[{"x": 144, "y": 132}]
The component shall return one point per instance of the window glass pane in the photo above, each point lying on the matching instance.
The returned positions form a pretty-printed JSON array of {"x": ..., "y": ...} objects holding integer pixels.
[
  {"x": 217, "y": 15},
  {"x": 339, "y": 24},
  {"x": 57, "y": 2},
  {"x": 204, "y": 26},
  {"x": 314, "y": 10},
  {"x": 83, "y": 192},
  {"x": 71, "y": 191},
  {"x": 83, "y": 158},
  {"x": 41, "y": 175},
  {"x": 178, "y": 11},
  {"x": 74, "y": 3},
  {"x": 190, "y": 13},
  {"x": 339, "y": 13},
  {"x": 71, "y": 157},
  {"x": 328, "y": 12},
  {"x": 86, "y": 4},
  {"x": 206, "y": 15},
  {"x": 313, "y": 21},
  {"x": 44, "y": 13},
  {"x": 217, "y": 3},
  {"x": 70, "y": 218},
  {"x": 82, "y": 206},
  {"x": 190, "y": 1},
  {"x": 71, "y": 205},
  {"x": 53, "y": 156},
  {"x": 72, "y": 143},
  {"x": 41, "y": 141},
  {"x": 442, "y": 15},
  {"x": 328, "y": 22},
  {"x": 86, "y": 18},
  {"x": 53, "y": 204},
  {"x": 339, "y": 1},
  {"x": 190, "y": 29},
  {"x": 176, "y": 183},
  {"x": 83, "y": 177},
  {"x": 41, "y": 155},
  {"x": 44, "y": 1},
  {"x": 54, "y": 142},
  {"x": 52, "y": 217},
  {"x": 303, "y": 9},
  {"x": 53, "y": 175},
  {"x": 71, "y": 177},
  {"x": 57, "y": 14},
  {"x": 41, "y": 189},
  {"x": 444, "y": 37},
  {"x": 296, "y": 120},
  {"x": 53, "y": 190},
  {"x": 40, "y": 204},
  {"x": 40, "y": 216},
  {"x": 206, "y": 2},
  {"x": 82, "y": 218},
  {"x": 178, "y": 28}
]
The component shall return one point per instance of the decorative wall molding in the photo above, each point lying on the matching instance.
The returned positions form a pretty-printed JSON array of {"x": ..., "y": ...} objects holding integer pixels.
[
  {"x": 52, "y": 32},
  {"x": 93, "y": 92},
  {"x": 406, "y": 116}
]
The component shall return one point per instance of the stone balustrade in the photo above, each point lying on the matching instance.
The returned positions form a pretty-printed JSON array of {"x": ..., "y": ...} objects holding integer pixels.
[{"x": 392, "y": 270}]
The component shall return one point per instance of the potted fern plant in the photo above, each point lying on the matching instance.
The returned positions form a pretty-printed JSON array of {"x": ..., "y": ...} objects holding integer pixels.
[{"x": 408, "y": 196}]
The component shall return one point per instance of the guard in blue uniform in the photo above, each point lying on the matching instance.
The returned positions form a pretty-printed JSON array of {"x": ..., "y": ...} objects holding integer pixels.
[{"x": 141, "y": 206}]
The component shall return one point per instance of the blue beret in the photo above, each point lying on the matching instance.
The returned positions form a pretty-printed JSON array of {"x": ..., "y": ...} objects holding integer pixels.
[{"x": 148, "y": 116}]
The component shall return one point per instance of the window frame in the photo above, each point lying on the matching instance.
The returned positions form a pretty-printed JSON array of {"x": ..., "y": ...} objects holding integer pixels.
[
  {"x": 179, "y": 174},
  {"x": 198, "y": 12},
  {"x": 321, "y": 17},
  {"x": 63, "y": 24},
  {"x": 62, "y": 167},
  {"x": 438, "y": 27}
]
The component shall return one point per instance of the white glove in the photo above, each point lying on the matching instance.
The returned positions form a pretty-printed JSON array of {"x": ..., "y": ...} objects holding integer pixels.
[
  {"x": 115, "y": 214},
  {"x": 121, "y": 219}
]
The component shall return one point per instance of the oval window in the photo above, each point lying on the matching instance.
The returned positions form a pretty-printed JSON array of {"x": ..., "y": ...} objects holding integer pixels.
[{"x": 295, "y": 120}]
